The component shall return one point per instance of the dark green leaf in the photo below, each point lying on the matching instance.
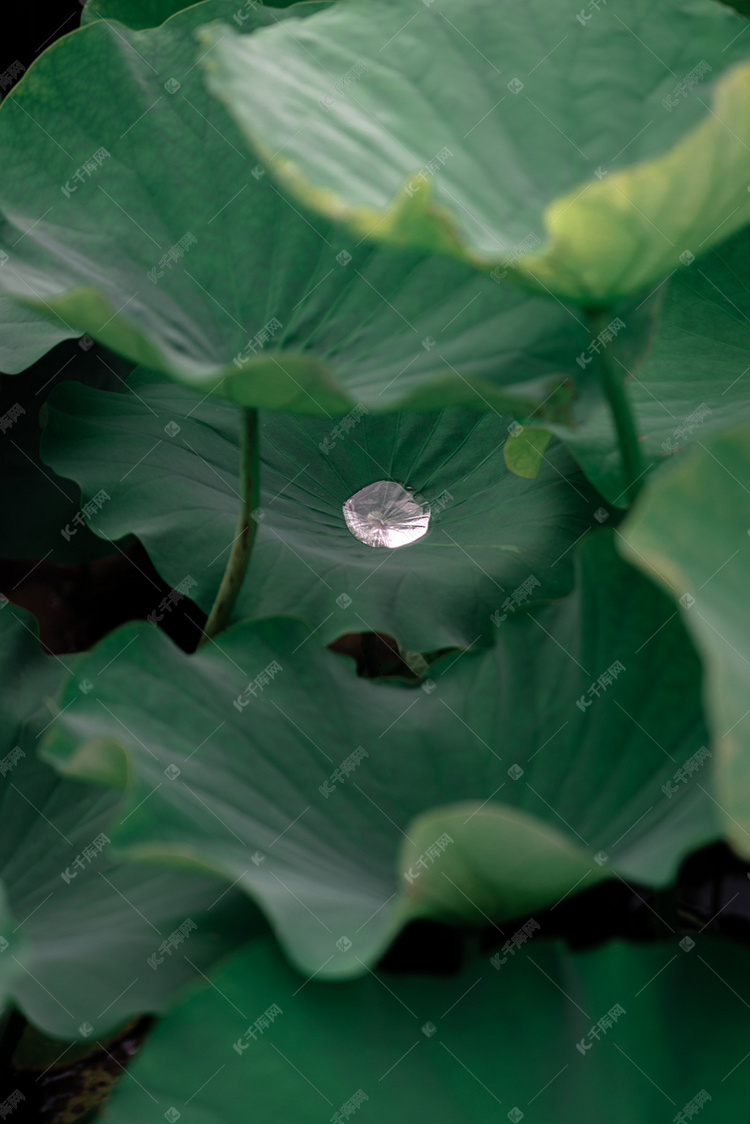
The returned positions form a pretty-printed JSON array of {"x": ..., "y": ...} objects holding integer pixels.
[
  {"x": 169, "y": 461},
  {"x": 659, "y": 1027},
  {"x": 540, "y": 754},
  {"x": 138, "y": 14},
  {"x": 177, "y": 251},
  {"x": 89, "y": 922}
]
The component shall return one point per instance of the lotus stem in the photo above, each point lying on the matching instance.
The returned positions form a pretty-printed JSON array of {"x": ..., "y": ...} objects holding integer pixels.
[
  {"x": 613, "y": 380},
  {"x": 239, "y": 555}
]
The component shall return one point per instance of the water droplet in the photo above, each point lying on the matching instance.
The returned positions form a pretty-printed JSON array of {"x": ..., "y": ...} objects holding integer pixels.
[{"x": 385, "y": 514}]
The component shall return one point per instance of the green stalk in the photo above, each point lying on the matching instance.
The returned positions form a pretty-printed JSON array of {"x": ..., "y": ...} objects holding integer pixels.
[
  {"x": 613, "y": 381},
  {"x": 239, "y": 555}
]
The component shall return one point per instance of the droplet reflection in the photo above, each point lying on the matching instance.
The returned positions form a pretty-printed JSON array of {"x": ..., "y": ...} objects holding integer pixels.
[{"x": 385, "y": 514}]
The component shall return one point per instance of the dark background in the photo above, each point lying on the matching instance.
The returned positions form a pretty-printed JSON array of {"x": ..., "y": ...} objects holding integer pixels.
[{"x": 27, "y": 28}]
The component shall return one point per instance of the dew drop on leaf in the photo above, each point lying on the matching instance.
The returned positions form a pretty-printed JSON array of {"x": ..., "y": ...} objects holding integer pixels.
[{"x": 385, "y": 514}]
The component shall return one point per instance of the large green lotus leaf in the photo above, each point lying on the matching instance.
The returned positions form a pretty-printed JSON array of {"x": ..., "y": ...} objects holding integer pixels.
[
  {"x": 585, "y": 149},
  {"x": 616, "y": 1034},
  {"x": 252, "y": 731},
  {"x": 39, "y": 508},
  {"x": 691, "y": 530},
  {"x": 275, "y": 307},
  {"x": 89, "y": 921},
  {"x": 177, "y": 491},
  {"x": 693, "y": 381}
]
